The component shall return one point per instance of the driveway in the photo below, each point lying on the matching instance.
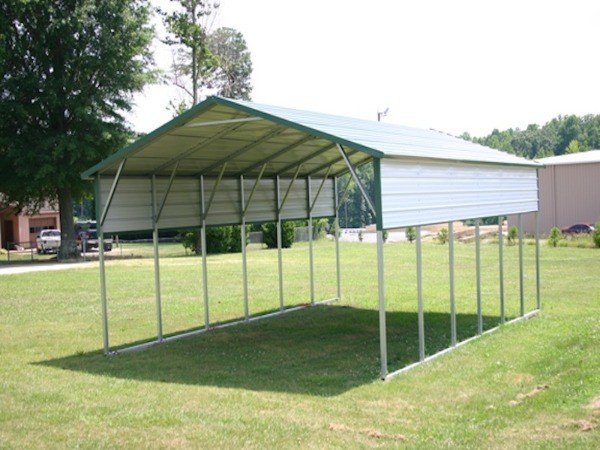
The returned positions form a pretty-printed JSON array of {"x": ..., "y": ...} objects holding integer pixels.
[{"x": 26, "y": 268}]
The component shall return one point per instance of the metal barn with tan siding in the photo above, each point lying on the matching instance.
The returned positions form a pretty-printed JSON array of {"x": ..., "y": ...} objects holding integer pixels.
[{"x": 569, "y": 190}]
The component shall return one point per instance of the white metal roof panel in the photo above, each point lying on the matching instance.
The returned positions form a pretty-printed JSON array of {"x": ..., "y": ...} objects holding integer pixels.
[{"x": 591, "y": 156}]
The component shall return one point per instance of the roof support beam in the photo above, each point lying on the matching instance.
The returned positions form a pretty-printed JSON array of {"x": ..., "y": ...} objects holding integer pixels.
[
  {"x": 197, "y": 147},
  {"x": 164, "y": 200},
  {"x": 111, "y": 193},
  {"x": 314, "y": 201},
  {"x": 214, "y": 191},
  {"x": 265, "y": 137},
  {"x": 277, "y": 154},
  {"x": 357, "y": 180},
  {"x": 223, "y": 122},
  {"x": 335, "y": 161},
  {"x": 306, "y": 158}
]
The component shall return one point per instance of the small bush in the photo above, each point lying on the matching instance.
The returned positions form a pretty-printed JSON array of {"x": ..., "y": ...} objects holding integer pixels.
[
  {"x": 224, "y": 239},
  {"x": 442, "y": 236},
  {"x": 555, "y": 237},
  {"x": 385, "y": 235},
  {"x": 513, "y": 235},
  {"x": 596, "y": 235},
  {"x": 270, "y": 234},
  {"x": 411, "y": 234}
]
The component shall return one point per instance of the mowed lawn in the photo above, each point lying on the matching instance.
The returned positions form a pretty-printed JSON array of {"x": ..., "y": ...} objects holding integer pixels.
[{"x": 308, "y": 379}]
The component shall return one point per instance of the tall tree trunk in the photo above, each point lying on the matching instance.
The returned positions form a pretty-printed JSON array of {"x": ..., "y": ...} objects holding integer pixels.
[{"x": 68, "y": 244}]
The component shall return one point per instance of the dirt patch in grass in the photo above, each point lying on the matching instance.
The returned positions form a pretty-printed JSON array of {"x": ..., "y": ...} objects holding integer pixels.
[
  {"x": 367, "y": 432},
  {"x": 594, "y": 404},
  {"x": 535, "y": 391},
  {"x": 584, "y": 425}
]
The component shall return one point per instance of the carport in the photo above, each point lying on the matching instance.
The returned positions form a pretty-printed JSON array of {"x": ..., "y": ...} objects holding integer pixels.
[{"x": 229, "y": 162}]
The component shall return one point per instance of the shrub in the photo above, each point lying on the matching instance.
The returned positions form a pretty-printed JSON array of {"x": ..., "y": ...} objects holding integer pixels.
[
  {"x": 596, "y": 235},
  {"x": 270, "y": 234},
  {"x": 385, "y": 235},
  {"x": 411, "y": 234},
  {"x": 442, "y": 236},
  {"x": 554, "y": 237},
  {"x": 320, "y": 228},
  {"x": 513, "y": 234},
  {"x": 224, "y": 239}
]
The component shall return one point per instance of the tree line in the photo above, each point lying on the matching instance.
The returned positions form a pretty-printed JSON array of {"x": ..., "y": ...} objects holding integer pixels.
[{"x": 559, "y": 136}]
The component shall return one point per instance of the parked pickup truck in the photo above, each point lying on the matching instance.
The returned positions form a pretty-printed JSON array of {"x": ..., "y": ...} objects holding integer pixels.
[
  {"x": 48, "y": 241},
  {"x": 89, "y": 238}
]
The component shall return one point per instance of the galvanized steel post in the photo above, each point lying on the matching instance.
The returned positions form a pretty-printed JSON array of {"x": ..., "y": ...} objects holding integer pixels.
[
  {"x": 478, "y": 276},
  {"x": 311, "y": 273},
  {"x": 336, "y": 230},
  {"x": 381, "y": 294},
  {"x": 421, "y": 318},
  {"x": 451, "y": 273},
  {"x": 537, "y": 261},
  {"x": 521, "y": 269},
  {"x": 103, "y": 300},
  {"x": 243, "y": 243},
  {"x": 501, "y": 268},
  {"x": 203, "y": 244},
  {"x": 279, "y": 255},
  {"x": 159, "y": 330}
]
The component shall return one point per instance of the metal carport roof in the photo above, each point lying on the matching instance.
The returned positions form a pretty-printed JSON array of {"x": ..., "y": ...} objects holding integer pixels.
[{"x": 248, "y": 134}]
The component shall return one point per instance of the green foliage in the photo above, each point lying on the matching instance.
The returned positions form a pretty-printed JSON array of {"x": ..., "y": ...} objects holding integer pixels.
[
  {"x": 573, "y": 147},
  {"x": 411, "y": 234},
  {"x": 442, "y": 236},
  {"x": 596, "y": 235},
  {"x": 269, "y": 230},
  {"x": 187, "y": 33},
  {"x": 563, "y": 134},
  {"x": 385, "y": 235},
  {"x": 513, "y": 235},
  {"x": 555, "y": 237},
  {"x": 233, "y": 63},
  {"x": 222, "y": 239},
  {"x": 354, "y": 212},
  {"x": 320, "y": 228},
  {"x": 68, "y": 70}
]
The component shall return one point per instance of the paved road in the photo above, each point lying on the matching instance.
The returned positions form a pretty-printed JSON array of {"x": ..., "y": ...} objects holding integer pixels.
[{"x": 12, "y": 270}]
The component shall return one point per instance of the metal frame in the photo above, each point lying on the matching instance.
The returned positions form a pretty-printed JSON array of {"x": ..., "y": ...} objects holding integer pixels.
[{"x": 374, "y": 205}]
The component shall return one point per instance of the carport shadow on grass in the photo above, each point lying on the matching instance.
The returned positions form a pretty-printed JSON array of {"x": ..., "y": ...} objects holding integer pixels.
[{"x": 322, "y": 351}]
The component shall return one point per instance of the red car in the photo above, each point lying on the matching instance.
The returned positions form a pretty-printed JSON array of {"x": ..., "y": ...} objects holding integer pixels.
[{"x": 578, "y": 228}]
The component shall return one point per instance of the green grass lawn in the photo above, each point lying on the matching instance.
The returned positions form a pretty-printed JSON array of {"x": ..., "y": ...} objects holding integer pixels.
[{"x": 310, "y": 378}]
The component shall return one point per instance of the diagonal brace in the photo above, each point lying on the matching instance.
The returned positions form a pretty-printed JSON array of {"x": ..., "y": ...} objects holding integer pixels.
[
  {"x": 262, "y": 170},
  {"x": 111, "y": 193},
  {"x": 214, "y": 191},
  {"x": 287, "y": 192},
  {"x": 164, "y": 200},
  {"x": 312, "y": 206},
  {"x": 357, "y": 180}
]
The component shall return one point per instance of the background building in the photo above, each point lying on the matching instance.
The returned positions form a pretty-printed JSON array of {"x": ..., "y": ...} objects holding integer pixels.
[
  {"x": 22, "y": 229},
  {"x": 569, "y": 192}
]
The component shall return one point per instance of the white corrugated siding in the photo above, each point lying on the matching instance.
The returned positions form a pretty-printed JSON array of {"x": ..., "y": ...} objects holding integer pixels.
[
  {"x": 419, "y": 192},
  {"x": 131, "y": 208}
]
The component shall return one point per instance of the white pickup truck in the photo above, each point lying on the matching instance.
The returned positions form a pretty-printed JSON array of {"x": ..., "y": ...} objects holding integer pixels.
[{"x": 48, "y": 241}]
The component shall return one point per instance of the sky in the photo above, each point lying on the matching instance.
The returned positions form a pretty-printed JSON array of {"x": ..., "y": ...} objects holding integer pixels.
[{"x": 453, "y": 66}]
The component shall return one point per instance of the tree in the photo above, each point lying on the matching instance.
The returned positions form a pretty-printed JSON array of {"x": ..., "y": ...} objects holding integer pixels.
[
  {"x": 234, "y": 64},
  {"x": 68, "y": 71},
  {"x": 193, "y": 62},
  {"x": 573, "y": 147}
]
